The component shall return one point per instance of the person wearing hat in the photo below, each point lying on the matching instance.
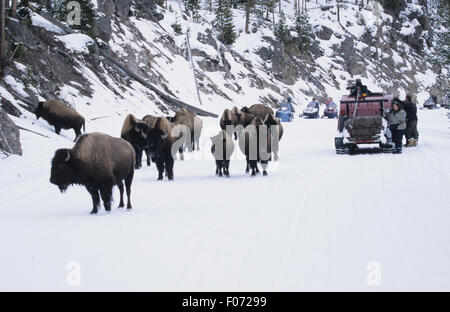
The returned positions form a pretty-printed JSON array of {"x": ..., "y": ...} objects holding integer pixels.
[
  {"x": 359, "y": 88},
  {"x": 397, "y": 124},
  {"x": 289, "y": 104},
  {"x": 411, "y": 133}
]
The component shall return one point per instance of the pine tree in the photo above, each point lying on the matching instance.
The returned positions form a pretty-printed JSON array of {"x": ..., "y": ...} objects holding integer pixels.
[
  {"x": 303, "y": 30},
  {"x": 224, "y": 22},
  {"x": 281, "y": 30},
  {"x": 193, "y": 7},
  {"x": 87, "y": 14}
]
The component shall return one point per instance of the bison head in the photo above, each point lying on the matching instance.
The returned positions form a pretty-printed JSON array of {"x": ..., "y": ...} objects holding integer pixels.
[
  {"x": 142, "y": 133},
  {"x": 154, "y": 140},
  {"x": 38, "y": 111},
  {"x": 62, "y": 173}
]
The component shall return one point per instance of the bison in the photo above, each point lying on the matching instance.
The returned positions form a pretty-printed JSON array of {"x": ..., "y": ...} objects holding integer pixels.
[
  {"x": 161, "y": 149},
  {"x": 150, "y": 121},
  {"x": 60, "y": 116},
  {"x": 222, "y": 148},
  {"x": 229, "y": 119},
  {"x": 135, "y": 132},
  {"x": 255, "y": 143},
  {"x": 259, "y": 110},
  {"x": 275, "y": 128},
  {"x": 98, "y": 162}
]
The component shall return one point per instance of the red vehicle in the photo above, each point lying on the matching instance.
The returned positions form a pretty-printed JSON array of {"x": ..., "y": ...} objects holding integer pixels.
[{"x": 361, "y": 121}]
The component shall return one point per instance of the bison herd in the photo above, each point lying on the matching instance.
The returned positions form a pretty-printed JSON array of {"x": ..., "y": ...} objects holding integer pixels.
[{"x": 99, "y": 162}]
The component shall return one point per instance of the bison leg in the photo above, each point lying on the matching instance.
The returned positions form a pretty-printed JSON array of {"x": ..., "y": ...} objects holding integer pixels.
[
  {"x": 227, "y": 167},
  {"x": 169, "y": 167},
  {"x": 138, "y": 163},
  {"x": 254, "y": 167},
  {"x": 181, "y": 151},
  {"x": 128, "y": 182},
  {"x": 264, "y": 165},
  {"x": 106, "y": 193},
  {"x": 160, "y": 166},
  {"x": 235, "y": 136},
  {"x": 120, "y": 185},
  {"x": 197, "y": 140},
  {"x": 57, "y": 129},
  {"x": 217, "y": 167},
  {"x": 147, "y": 153},
  {"x": 220, "y": 166},
  {"x": 95, "y": 199},
  {"x": 247, "y": 168},
  {"x": 77, "y": 133}
]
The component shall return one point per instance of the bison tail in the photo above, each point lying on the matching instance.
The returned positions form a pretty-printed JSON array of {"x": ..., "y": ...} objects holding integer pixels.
[{"x": 84, "y": 126}]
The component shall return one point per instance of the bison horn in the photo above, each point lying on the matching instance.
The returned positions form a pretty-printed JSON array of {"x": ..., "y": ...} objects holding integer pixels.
[
  {"x": 144, "y": 135},
  {"x": 136, "y": 128},
  {"x": 67, "y": 157},
  {"x": 164, "y": 136}
]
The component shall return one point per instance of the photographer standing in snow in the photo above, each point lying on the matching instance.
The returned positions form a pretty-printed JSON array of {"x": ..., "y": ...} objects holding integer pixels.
[{"x": 397, "y": 124}]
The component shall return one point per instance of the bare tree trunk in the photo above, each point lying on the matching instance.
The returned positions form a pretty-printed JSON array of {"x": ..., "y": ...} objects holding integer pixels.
[
  {"x": 279, "y": 6},
  {"x": 14, "y": 8},
  {"x": 247, "y": 16},
  {"x": 2, "y": 35},
  {"x": 338, "y": 16}
]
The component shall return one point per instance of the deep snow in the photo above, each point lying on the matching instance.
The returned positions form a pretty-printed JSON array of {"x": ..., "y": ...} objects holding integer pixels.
[{"x": 314, "y": 223}]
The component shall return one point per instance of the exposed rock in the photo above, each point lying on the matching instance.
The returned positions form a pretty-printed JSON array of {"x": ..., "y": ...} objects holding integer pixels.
[
  {"x": 21, "y": 34},
  {"x": 102, "y": 27},
  {"x": 9, "y": 135},
  {"x": 207, "y": 38},
  {"x": 9, "y": 108},
  {"x": 324, "y": 33},
  {"x": 122, "y": 8}
]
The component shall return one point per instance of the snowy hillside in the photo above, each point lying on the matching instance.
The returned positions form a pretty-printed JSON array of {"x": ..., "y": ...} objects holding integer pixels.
[{"x": 319, "y": 221}]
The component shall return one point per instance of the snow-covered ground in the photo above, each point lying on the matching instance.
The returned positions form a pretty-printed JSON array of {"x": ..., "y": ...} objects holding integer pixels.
[{"x": 319, "y": 221}]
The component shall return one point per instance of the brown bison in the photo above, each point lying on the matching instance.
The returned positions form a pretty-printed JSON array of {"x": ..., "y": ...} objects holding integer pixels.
[
  {"x": 150, "y": 121},
  {"x": 255, "y": 143},
  {"x": 275, "y": 128},
  {"x": 60, "y": 116},
  {"x": 162, "y": 150},
  {"x": 194, "y": 123},
  {"x": 259, "y": 110},
  {"x": 229, "y": 119},
  {"x": 222, "y": 148},
  {"x": 135, "y": 132},
  {"x": 98, "y": 162}
]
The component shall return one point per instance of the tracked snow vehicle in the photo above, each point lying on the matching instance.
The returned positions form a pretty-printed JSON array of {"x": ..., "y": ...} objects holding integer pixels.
[{"x": 361, "y": 122}]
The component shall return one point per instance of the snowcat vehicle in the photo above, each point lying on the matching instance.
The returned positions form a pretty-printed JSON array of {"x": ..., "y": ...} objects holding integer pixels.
[{"x": 361, "y": 121}]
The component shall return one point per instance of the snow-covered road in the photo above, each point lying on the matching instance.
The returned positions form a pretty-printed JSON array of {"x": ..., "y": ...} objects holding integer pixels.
[{"x": 319, "y": 221}]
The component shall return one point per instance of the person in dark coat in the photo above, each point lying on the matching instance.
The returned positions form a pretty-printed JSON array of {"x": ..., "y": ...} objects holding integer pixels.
[
  {"x": 359, "y": 87},
  {"x": 397, "y": 124},
  {"x": 411, "y": 133}
]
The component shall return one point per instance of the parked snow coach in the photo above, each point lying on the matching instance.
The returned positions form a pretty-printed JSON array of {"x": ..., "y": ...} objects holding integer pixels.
[{"x": 361, "y": 121}]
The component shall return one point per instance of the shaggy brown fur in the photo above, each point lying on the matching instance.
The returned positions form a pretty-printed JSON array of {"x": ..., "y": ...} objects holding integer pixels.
[
  {"x": 136, "y": 132},
  {"x": 259, "y": 110},
  {"x": 149, "y": 120},
  {"x": 163, "y": 151},
  {"x": 60, "y": 116},
  {"x": 222, "y": 154},
  {"x": 249, "y": 140},
  {"x": 98, "y": 162},
  {"x": 270, "y": 121},
  {"x": 228, "y": 119}
]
